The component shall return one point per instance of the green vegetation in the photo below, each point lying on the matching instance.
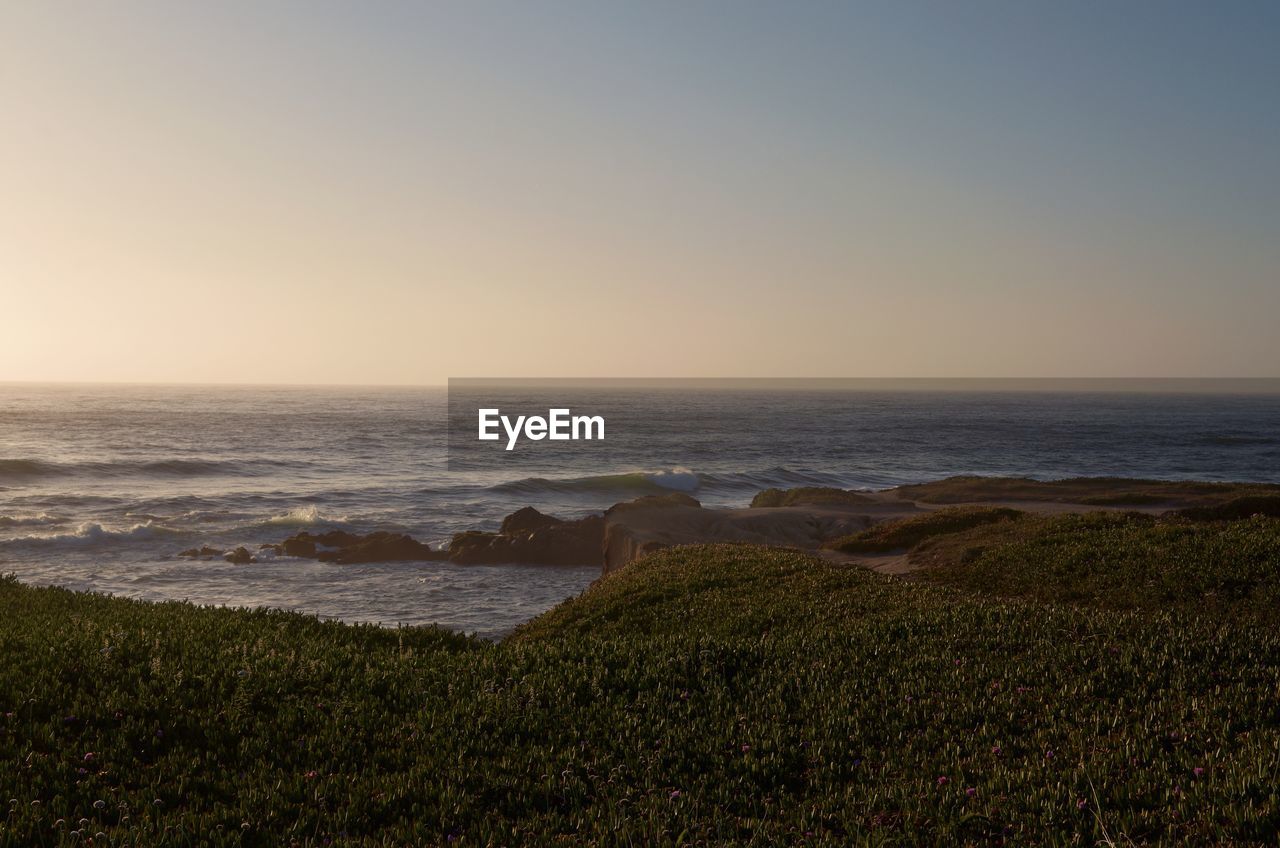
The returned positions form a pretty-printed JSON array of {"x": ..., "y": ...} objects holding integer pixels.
[
  {"x": 909, "y": 532},
  {"x": 1094, "y": 491},
  {"x": 1120, "y": 560},
  {"x": 706, "y": 695},
  {"x": 808, "y": 496},
  {"x": 1247, "y": 507}
]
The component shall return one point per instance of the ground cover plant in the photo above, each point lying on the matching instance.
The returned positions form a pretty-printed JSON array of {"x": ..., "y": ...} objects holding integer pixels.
[
  {"x": 909, "y": 532},
  {"x": 1120, "y": 560},
  {"x": 704, "y": 695},
  {"x": 1093, "y": 491}
]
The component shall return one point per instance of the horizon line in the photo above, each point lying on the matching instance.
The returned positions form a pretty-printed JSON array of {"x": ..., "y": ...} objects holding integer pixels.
[{"x": 1271, "y": 384}]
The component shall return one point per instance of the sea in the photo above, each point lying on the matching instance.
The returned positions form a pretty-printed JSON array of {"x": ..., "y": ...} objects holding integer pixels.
[{"x": 102, "y": 485}]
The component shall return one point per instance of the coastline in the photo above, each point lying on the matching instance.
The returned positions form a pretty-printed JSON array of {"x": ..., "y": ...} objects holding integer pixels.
[{"x": 1060, "y": 676}]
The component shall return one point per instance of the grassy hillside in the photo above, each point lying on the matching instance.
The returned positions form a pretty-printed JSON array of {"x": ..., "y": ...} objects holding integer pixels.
[
  {"x": 1094, "y": 491},
  {"x": 1124, "y": 561},
  {"x": 704, "y": 695},
  {"x": 908, "y": 532}
]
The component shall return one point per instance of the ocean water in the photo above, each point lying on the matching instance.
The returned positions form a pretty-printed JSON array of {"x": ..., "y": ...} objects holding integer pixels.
[{"x": 101, "y": 486}]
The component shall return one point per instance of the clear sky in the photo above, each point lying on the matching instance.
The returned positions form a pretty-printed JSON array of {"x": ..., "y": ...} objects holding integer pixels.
[{"x": 400, "y": 193}]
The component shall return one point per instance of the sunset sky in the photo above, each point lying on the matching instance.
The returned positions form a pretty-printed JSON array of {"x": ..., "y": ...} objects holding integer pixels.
[{"x": 400, "y": 193}]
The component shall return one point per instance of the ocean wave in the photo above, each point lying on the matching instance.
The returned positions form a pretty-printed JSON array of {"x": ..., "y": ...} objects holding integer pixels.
[
  {"x": 91, "y": 533},
  {"x": 679, "y": 479},
  {"x": 19, "y": 469},
  {"x": 778, "y": 477},
  {"x": 1233, "y": 441},
  {"x": 634, "y": 484},
  {"x": 304, "y": 516},
  {"x": 33, "y": 520}
]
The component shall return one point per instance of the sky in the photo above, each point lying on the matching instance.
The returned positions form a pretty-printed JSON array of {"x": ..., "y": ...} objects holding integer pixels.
[{"x": 399, "y": 193}]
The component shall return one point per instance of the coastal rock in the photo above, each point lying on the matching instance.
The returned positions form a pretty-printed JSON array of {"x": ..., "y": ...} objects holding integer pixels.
[
  {"x": 348, "y": 548},
  {"x": 527, "y": 520},
  {"x": 645, "y": 525},
  {"x": 647, "y": 502},
  {"x": 307, "y": 544},
  {"x": 623, "y": 544},
  {"x": 381, "y": 547},
  {"x": 240, "y": 556},
  {"x": 530, "y": 537},
  {"x": 301, "y": 545}
]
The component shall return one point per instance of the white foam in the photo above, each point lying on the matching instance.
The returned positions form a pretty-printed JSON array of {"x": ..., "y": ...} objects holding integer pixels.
[
  {"x": 678, "y": 479},
  {"x": 91, "y": 532},
  {"x": 303, "y": 516},
  {"x": 29, "y": 520}
]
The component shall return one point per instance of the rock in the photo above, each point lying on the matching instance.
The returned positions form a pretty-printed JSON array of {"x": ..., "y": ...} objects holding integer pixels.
[
  {"x": 301, "y": 545},
  {"x": 381, "y": 547},
  {"x": 672, "y": 499},
  {"x": 529, "y": 537},
  {"x": 275, "y": 549},
  {"x": 527, "y": 520},
  {"x": 202, "y": 551},
  {"x": 307, "y": 544},
  {"x": 636, "y": 528},
  {"x": 622, "y": 545},
  {"x": 240, "y": 556},
  {"x": 347, "y": 548}
]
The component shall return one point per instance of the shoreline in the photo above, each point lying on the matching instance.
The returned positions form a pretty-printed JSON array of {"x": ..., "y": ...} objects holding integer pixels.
[{"x": 722, "y": 693}]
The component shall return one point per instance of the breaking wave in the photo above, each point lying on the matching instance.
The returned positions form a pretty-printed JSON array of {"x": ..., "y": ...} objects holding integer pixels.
[
  {"x": 35, "y": 520},
  {"x": 93, "y": 533},
  {"x": 303, "y": 516}
]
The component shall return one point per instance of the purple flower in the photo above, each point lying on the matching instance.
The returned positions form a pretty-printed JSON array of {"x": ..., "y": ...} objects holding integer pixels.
[
  {"x": 88, "y": 758},
  {"x": 675, "y": 793},
  {"x": 997, "y": 750},
  {"x": 971, "y": 791},
  {"x": 1198, "y": 771},
  {"x": 1081, "y": 804},
  {"x": 944, "y": 780}
]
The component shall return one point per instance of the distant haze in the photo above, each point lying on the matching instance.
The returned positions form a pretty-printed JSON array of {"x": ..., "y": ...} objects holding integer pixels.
[{"x": 403, "y": 192}]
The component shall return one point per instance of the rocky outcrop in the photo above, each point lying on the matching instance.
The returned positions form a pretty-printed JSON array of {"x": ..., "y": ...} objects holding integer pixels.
[
  {"x": 632, "y": 532},
  {"x": 308, "y": 544},
  {"x": 625, "y": 532},
  {"x": 530, "y": 537},
  {"x": 240, "y": 556},
  {"x": 350, "y": 548}
]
